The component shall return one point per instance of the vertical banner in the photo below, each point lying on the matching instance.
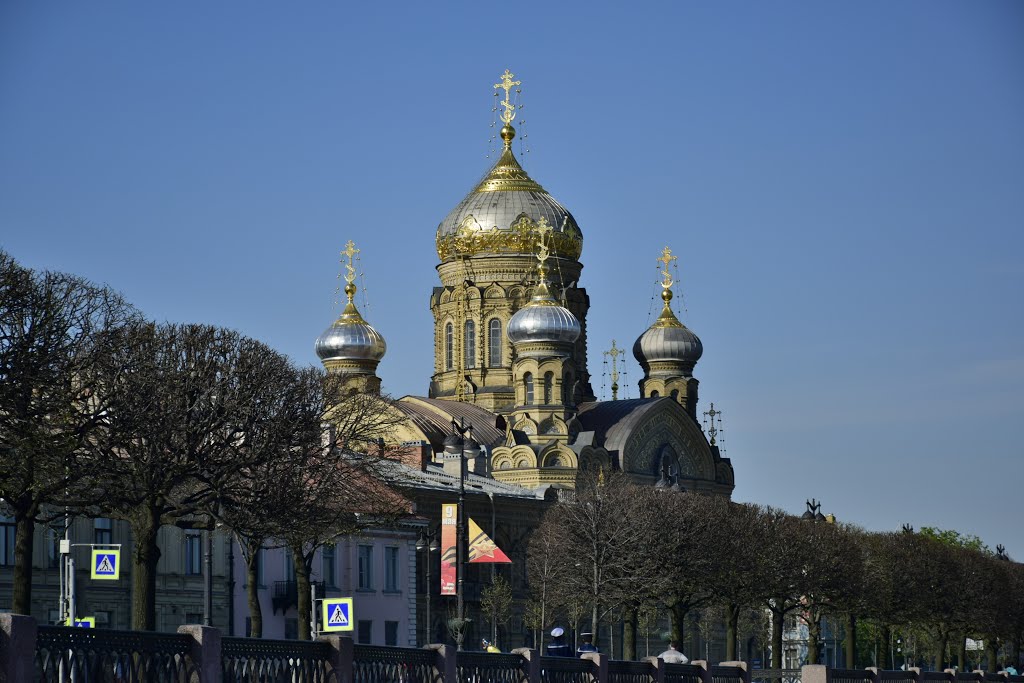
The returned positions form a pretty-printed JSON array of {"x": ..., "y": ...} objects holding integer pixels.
[{"x": 449, "y": 518}]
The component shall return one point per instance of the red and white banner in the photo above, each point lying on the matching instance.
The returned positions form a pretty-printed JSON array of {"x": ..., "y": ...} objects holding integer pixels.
[{"x": 449, "y": 519}]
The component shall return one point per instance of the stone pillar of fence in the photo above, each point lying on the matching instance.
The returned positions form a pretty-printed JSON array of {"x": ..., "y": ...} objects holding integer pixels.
[
  {"x": 206, "y": 654},
  {"x": 342, "y": 657},
  {"x": 657, "y": 668},
  {"x": 17, "y": 647},
  {"x": 740, "y": 665},
  {"x": 601, "y": 664},
  {"x": 815, "y": 673},
  {"x": 445, "y": 662},
  {"x": 705, "y": 670},
  {"x": 532, "y": 658}
]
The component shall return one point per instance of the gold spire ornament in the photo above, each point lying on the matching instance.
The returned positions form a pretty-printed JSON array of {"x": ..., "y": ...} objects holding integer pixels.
[
  {"x": 614, "y": 354},
  {"x": 350, "y": 315},
  {"x": 668, "y": 317},
  {"x": 507, "y": 84},
  {"x": 350, "y": 251}
]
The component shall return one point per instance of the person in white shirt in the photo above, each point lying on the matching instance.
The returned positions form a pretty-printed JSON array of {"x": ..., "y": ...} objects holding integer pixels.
[{"x": 672, "y": 655}]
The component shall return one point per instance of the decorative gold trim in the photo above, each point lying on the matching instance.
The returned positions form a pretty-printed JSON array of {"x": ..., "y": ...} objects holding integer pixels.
[{"x": 519, "y": 238}]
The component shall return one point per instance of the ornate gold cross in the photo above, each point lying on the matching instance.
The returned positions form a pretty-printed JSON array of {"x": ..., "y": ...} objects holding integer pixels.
[
  {"x": 543, "y": 230},
  {"x": 507, "y": 84},
  {"x": 666, "y": 258},
  {"x": 614, "y": 354},
  {"x": 350, "y": 251}
]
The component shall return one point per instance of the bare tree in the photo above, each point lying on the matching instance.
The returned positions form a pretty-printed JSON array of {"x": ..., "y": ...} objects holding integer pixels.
[
  {"x": 496, "y": 603},
  {"x": 51, "y": 328}
]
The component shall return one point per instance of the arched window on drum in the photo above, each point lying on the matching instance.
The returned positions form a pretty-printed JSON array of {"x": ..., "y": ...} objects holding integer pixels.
[
  {"x": 549, "y": 382},
  {"x": 469, "y": 344},
  {"x": 494, "y": 343},
  {"x": 528, "y": 387},
  {"x": 449, "y": 342}
]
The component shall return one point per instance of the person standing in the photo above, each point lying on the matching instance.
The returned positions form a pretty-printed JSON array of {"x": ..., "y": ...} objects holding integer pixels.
[
  {"x": 672, "y": 655},
  {"x": 558, "y": 647},
  {"x": 587, "y": 645}
]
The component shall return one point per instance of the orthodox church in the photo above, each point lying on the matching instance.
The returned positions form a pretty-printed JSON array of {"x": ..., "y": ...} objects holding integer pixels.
[{"x": 510, "y": 352}]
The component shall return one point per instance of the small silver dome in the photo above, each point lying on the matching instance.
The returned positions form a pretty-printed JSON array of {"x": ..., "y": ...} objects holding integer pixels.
[
  {"x": 543, "y": 320},
  {"x": 350, "y": 338},
  {"x": 668, "y": 343}
]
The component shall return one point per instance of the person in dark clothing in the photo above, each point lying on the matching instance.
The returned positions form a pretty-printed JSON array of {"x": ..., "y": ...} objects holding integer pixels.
[
  {"x": 587, "y": 645},
  {"x": 558, "y": 647}
]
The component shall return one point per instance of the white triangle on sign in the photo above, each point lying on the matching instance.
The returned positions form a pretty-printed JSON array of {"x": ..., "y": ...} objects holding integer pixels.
[
  {"x": 104, "y": 567},
  {"x": 338, "y": 617}
]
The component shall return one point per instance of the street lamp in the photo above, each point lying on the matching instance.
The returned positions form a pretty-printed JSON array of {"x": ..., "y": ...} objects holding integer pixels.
[
  {"x": 428, "y": 542},
  {"x": 465, "y": 431}
]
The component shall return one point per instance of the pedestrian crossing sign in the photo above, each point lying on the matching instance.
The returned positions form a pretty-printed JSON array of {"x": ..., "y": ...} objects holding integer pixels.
[
  {"x": 337, "y": 614},
  {"x": 106, "y": 564}
]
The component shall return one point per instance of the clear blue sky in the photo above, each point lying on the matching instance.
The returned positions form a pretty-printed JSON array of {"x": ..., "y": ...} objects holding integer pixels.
[{"x": 843, "y": 183}]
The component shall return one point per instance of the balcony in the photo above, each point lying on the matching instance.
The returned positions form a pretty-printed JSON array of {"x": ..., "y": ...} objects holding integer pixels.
[{"x": 286, "y": 594}]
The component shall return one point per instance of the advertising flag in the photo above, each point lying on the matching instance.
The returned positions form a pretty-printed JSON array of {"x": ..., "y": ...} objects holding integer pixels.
[
  {"x": 449, "y": 518},
  {"x": 482, "y": 548}
]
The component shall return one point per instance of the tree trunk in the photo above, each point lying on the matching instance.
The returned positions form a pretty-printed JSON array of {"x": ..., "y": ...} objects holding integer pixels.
[
  {"x": 145, "y": 526},
  {"x": 305, "y": 600},
  {"x": 778, "y": 622},
  {"x": 593, "y": 619},
  {"x": 629, "y": 635},
  {"x": 23, "y": 541},
  {"x": 961, "y": 651},
  {"x": 732, "y": 621},
  {"x": 940, "y": 648},
  {"x": 252, "y": 561},
  {"x": 991, "y": 653},
  {"x": 851, "y": 640},
  {"x": 678, "y": 612},
  {"x": 883, "y": 660},
  {"x": 813, "y": 634}
]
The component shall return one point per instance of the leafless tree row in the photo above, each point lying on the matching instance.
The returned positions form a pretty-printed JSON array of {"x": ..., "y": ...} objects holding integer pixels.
[
  {"x": 620, "y": 552},
  {"x": 103, "y": 413}
]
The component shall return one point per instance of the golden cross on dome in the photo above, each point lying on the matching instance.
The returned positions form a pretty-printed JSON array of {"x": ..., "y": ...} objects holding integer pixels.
[
  {"x": 507, "y": 84},
  {"x": 543, "y": 229},
  {"x": 666, "y": 258},
  {"x": 350, "y": 251},
  {"x": 614, "y": 354}
]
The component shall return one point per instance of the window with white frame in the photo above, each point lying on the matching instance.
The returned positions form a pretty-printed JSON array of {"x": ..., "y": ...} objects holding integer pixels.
[
  {"x": 391, "y": 569},
  {"x": 193, "y": 554},
  {"x": 102, "y": 534},
  {"x": 365, "y": 568}
]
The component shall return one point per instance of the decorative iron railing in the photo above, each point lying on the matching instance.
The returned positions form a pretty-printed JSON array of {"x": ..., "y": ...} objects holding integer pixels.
[
  {"x": 775, "y": 676},
  {"x": 887, "y": 675},
  {"x": 726, "y": 674},
  {"x": 852, "y": 676},
  {"x": 104, "y": 656},
  {"x": 685, "y": 673},
  {"x": 255, "y": 660},
  {"x": 486, "y": 667},
  {"x": 375, "y": 664},
  {"x": 629, "y": 672},
  {"x": 566, "y": 670},
  {"x": 937, "y": 677}
]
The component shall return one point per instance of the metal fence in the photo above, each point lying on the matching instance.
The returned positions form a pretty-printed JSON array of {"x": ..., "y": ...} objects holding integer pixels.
[
  {"x": 775, "y": 676},
  {"x": 104, "y": 656},
  {"x": 566, "y": 670},
  {"x": 484, "y": 667},
  {"x": 629, "y": 672},
  {"x": 852, "y": 676},
  {"x": 684, "y": 673},
  {"x": 374, "y": 664},
  {"x": 245, "y": 660},
  {"x": 727, "y": 674}
]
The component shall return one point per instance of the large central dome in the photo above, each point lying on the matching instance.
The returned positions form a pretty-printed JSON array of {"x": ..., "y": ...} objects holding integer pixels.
[{"x": 500, "y": 214}]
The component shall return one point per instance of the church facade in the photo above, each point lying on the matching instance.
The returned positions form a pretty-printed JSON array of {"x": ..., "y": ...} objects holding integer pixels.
[{"x": 510, "y": 351}]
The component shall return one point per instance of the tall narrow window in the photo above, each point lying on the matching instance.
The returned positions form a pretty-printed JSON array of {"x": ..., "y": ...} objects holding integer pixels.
[
  {"x": 469, "y": 344},
  {"x": 391, "y": 569},
  {"x": 289, "y": 565},
  {"x": 549, "y": 381},
  {"x": 449, "y": 342},
  {"x": 193, "y": 553},
  {"x": 365, "y": 568},
  {"x": 101, "y": 531},
  {"x": 528, "y": 385},
  {"x": 567, "y": 389},
  {"x": 494, "y": 343},
  {"x": 328, "y": 572},
  {"x": 7, "y": 528}
]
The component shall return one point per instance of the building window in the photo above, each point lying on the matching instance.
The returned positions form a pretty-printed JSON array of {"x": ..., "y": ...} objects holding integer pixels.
[
  {"x": 567, "y": 389},
  {"x": 675, "y": 395},
  {"x": 101, "y": 532},
  {"x": 549, "y": 380},
  {"x": 391, "y": 633},
  {"x": 449, "y": 343},
  {"x": 291, "y": 628},
  {"x": 7, "y": 529},
  {"x": 193, "y": 555},
  {"x": 327, "y": 560},
  {"x": 193, "y": 617},
  {"x": 654, "y": 394},
  {"x": 365, "y": 568},
  {"x": 469, "y": 344},
  {"x": 53, "y": 536},
  {"x": 528, "y": 385},
  {"x": 365, "y": 632},
  {"x": 494, "y": 343},
  {"x": 391, "y": 569},
  {"x": 289, "y": 566}
]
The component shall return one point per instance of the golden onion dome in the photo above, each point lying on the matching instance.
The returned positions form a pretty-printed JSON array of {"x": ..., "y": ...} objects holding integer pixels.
[
  {"x": 350, "y": 337},
  {"x": 668, "y": 339},
  {"x": 500, "y": 214}
]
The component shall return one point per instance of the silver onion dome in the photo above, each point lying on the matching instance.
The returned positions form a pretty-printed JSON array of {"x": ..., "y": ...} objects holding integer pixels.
[
  {"x": 350, "y": 337},
  {"x": 668, "y": 344},
  {"x": 543, "y": 320}
]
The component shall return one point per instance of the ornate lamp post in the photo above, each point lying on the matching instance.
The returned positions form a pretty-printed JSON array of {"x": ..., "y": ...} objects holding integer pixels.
[
  {"x": 428, "y": 542},
  {"x": 465, "y": 431}
]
